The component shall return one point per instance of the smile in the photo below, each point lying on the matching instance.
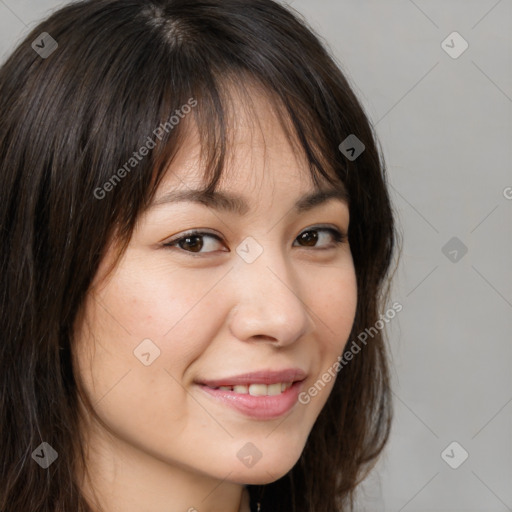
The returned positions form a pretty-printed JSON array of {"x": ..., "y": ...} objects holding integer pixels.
[
  {"x": 257, "y": 401},
  {"x": 258, "y": 389}
]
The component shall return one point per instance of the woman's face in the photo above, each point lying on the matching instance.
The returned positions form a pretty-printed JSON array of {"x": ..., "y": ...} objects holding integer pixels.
[{"x": 266, "y": 289}]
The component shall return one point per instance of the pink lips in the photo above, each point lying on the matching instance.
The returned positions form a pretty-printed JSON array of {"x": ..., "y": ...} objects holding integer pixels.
[{"x": 258, "y": 407}]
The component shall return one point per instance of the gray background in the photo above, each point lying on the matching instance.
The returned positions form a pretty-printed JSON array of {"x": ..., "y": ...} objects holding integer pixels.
[{"x": 445, "y": 128}]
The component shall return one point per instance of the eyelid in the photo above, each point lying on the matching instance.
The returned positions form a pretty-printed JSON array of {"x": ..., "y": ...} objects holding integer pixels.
[{"x": 192, "y": 232}]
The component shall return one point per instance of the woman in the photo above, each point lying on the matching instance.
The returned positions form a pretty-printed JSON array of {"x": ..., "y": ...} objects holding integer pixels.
[{"x": 195, "y": 224}]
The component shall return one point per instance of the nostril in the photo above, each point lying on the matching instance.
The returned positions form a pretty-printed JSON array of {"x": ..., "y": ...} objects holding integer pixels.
[{"x": 264, "y": 337}]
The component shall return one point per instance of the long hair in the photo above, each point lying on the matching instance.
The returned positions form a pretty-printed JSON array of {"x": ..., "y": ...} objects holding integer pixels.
[{"x": 71, "y": 115}]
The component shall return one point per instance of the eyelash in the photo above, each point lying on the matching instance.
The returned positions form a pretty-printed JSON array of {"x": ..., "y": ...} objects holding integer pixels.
[{"x": 338, "y": 239}]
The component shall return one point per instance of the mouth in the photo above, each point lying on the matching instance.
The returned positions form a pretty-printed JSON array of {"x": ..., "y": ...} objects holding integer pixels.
[{"x": 260, "y": 395}]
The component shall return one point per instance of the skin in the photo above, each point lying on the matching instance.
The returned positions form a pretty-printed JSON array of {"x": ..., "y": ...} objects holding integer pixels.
[{"x": 170, "y": 447}]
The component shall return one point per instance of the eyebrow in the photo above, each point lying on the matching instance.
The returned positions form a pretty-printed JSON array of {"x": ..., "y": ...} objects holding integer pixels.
[{"x": 224, "y": 201}]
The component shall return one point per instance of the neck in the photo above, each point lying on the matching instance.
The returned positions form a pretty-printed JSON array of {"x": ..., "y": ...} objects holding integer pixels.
[{"x": 121, "y": 477}]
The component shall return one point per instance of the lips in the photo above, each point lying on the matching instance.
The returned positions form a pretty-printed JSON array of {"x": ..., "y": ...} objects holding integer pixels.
[
  {"x": 268, "y": 377},
  {"x": 260, "y": 407},
  {"x": 256, "y": 394}
]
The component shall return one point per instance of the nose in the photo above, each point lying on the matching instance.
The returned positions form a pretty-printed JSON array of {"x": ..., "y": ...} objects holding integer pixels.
[{"x": 269, "y": 303}]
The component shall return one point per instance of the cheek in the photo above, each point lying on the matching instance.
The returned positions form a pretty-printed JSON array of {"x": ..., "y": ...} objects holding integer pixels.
[
  {"x": 123, "y": 390},
  {"x": 333, "y": 307},
  {"x": 167, "y": 307},
  {"x": 334, "y": 304},
  {"x": 151, "y": 301}
]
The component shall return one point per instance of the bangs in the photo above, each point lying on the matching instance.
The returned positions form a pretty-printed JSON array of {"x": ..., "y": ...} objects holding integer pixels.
[
  {"x": 216, "y": 120},
  {"x": 213, "y": 65}
]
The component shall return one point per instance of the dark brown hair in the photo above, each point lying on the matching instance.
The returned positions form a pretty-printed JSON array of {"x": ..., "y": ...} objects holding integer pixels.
[{"x": 70, "y": 120}]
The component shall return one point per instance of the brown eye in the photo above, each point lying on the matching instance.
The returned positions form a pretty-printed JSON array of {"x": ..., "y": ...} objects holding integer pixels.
[
  {"x": 192, "y": 243},
  {"x": 309, "y": 238}
]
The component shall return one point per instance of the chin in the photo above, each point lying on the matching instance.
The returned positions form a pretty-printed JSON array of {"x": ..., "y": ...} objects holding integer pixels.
[
  {"x": 261, "y": 477},
  {"x": 265, "y": 472}
]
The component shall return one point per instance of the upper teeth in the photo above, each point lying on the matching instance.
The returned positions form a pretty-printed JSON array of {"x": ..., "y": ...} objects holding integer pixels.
[{"x": 258, "y": 389}]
